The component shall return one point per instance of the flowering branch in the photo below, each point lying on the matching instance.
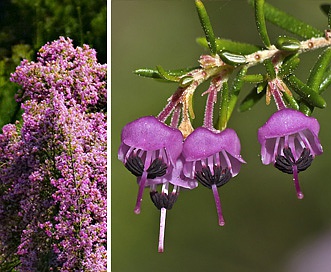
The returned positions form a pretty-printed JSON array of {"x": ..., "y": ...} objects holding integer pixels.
[{"x": 181, "y": 154}]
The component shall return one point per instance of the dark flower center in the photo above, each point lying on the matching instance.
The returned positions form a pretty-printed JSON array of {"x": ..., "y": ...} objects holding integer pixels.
[
  {"x": 163, "y": 200},
  {"x": 219, "y": 178},
  {"x": 285, "y": 163},
  {"x": 136, "y": 166}
]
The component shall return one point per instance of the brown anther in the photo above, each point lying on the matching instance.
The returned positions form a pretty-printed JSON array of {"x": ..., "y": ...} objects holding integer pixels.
[
  {"x": 257, "y": 57},
  {"x": 310, "y": 44}
]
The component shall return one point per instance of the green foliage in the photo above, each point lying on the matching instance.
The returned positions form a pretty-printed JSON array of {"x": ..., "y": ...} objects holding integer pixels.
[
  {"x": 287, "y": 44},
  {"x": 232, "y": 59},
  {"x": 305, "y": 92},
  {"x": 230, "y": 46},
  {"x": 290, "y": 63},
  {"x": 9, "y": 109},
  {"x": 156, "y": 74},
  {"x": 260, "y": 22},
  {"x": 288, "y": 22},
  {"x": 206, "y": 26},
  {"x": 319, "y": 70}
]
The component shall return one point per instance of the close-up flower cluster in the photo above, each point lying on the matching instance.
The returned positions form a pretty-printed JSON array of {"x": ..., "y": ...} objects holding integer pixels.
[
  {"x": 53, "y": 179},
  {"x": 169, "y": 153}
]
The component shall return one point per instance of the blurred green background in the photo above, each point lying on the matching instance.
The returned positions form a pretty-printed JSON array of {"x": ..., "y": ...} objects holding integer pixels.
[{"x": 267, "y": 227}]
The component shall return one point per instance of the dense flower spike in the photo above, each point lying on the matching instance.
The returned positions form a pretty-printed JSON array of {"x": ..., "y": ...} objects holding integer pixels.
[
  {"x": 212, "y": 158},
  {"x": 289, "y": 140},
  {"x": 149, "y": 150},
  {"x": 53, "y": 165}
]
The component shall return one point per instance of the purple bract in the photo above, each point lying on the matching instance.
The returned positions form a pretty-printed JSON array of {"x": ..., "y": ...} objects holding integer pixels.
[{"x": 289, "y": 140}]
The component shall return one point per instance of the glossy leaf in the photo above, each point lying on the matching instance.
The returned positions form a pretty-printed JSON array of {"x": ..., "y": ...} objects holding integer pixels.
[
  {"x": 316, "y": 76},
  {"x": 154, "y": 73},
  {"x": 231, "y": 46},
  {"x": 260, "y": 22},
  {"x": 252, "y": 98},
  {"x": 207, "y": 27},
  {"x": 305, "y": 92},
  {"x": 287, "y": 44},
  {"x": 289, "y": 23},
  {"x": 232, "y": 59},
  {"x": 165, "y": 75},
  {"x": 185, "y": 81},
  {"x": 291, "y": 101},
  {"x": 147, "y": 72},
  {"x": 289, "y": 64}
]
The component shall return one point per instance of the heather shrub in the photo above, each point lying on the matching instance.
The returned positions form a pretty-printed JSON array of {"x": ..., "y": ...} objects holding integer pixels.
[{"x": 53, "y": 164}]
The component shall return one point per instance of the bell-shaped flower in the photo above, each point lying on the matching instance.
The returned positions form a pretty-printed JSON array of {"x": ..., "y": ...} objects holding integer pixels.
[
  {"x": 212, "y": 158},
  {"x": 149, "y": 149},
  {"x": 289, "y": 140}
]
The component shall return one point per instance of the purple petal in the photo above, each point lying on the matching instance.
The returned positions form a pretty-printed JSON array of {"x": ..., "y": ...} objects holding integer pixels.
[
  {"x": 202, "y": 143},
  {"x": 286, "y": 122},
  {"x": 148, "y": 133}
]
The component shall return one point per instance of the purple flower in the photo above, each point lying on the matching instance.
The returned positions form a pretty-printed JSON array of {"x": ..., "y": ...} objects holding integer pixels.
[
  {"x": 212, "y": 158},
  {"x": 289, "y": 140},
  {"x": 149, "y": 150}
]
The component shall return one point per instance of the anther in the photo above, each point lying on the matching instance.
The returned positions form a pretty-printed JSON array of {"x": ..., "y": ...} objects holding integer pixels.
[
  {"x": 219, "y": 178},
  {"x": 135, "y": 165},
  {"x": 163, "y": 200},
  {"x": 157, "y": 169},
  {"x": 285, "y": 163}
]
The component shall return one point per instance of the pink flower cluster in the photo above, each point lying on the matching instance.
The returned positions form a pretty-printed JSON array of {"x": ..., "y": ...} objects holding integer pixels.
[{"x": 53, "y": 165}]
